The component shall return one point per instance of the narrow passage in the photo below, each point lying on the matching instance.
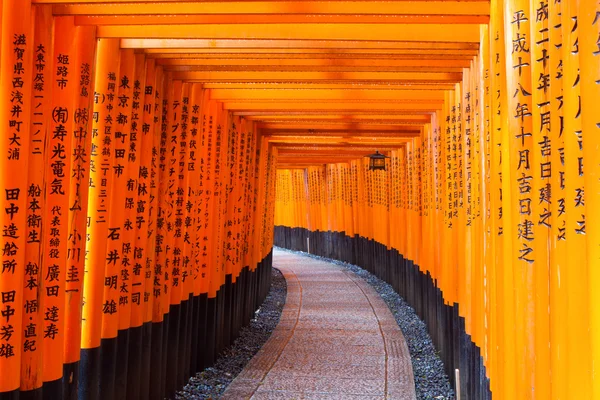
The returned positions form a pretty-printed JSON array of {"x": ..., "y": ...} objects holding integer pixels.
[{"x": 336, "y": 339}]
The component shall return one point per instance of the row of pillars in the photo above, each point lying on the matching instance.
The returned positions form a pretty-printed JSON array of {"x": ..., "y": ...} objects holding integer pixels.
[
  {"x": 136, "y": 216},
  {"x": 498, "y": 200}
]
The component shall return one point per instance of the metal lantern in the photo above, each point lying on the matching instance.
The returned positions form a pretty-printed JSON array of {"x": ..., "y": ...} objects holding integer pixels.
[{"x": 377, "y": 161}]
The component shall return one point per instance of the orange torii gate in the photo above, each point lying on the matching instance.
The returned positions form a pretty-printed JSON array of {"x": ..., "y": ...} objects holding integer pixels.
[{"x": 148, "y": 149}]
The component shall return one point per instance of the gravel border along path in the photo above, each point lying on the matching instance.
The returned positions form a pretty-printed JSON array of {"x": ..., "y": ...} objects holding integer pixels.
[
  {"x": 212, "y": 382},
  {"x": 431, "y": 381}
]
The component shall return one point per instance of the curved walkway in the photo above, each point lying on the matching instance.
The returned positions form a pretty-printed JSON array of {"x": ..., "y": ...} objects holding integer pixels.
[{"x": 336, "y": 340}]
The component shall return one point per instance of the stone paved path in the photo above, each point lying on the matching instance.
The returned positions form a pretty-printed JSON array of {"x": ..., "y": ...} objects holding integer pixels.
[{"x": 336, "y": 340}]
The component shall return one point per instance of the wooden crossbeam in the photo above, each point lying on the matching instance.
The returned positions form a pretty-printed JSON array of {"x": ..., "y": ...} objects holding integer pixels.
[
  {"x": 271, "y": 8},
  {"x": 461, "y": 33}
]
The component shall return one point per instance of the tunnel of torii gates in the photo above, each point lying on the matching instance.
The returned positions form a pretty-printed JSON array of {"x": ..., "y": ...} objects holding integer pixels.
[{"x": 152, "y": 153}]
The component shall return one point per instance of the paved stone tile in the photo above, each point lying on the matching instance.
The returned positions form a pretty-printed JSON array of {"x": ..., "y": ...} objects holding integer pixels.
[
  {"x": 320, "y": 384},
  {"x": 336, "y": 340}
]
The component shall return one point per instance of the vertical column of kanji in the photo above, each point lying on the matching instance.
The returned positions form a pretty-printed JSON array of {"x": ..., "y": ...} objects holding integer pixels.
[
  {"x": 503, "y": 382},
  {"x": 450, "y": 212},
  {"x": 401, "y": 154},
  {"x": 459, "y": 212},
  {"x": 31, "y": 362},
  {"x": 344, "y": 228},
  {"x": 155, "y": 259},
  {"x": 558, "y": 245},
  {"x": 232, "y": 231},
  {"x": 172, "y": 266},
  {"x": 191, "y": 248},
  {"x": 540, "y": 209},
  {"x": 355, "y": 201},
  {"x": 348, "y": 201},
  {"x": 16, "y": 67},
  {"x": 589, "y": 18},
  {"x": 240, "y": 213},
  {"x": 341, "y": 228},
  {"x": 479, "y": 310},
  {"x": 437, "y": 198},
  {"x": 360, "y": 171},
  {"x": 260, "y": 207},
  {"x": 369, "y": 200},
  {"x": 270, "y": 221},
  {"x": 116, "y": 268},
  {"x": 331, "y": 210},
  {"x": 140, "y": 159},
  {"x": 423, "y": 240},
  {"x": 82, "y": 64},
  {"x": 147, "y": 200},
  {"x": 208, "y": 223},
  {"x": 162, "y": 247},
  {"x": 393, "y": 212},
  {"x": 577, "y": 274},
  {"x": 350, "y": 231},
  {"x": 430, "y": 245},
  {"x": 202, "y": 225},
  {"x": 444, "y": 136},
  {"x": 99, "y": 197},
  {"x": 230, "y": 192},
  {"x": 523, "y": 229},
  {"x": 223, "y": 174},
  {"x": 408, "y": 183},
  {"x": 253, "y": 257},
  {"x": 418, "y": 166},
  {"x": 250, "y": 174},
  {"x": 131, "y": 274},
  {"x": 268, "y": 214},
  {"x": 417, "y": 179},
  {"x": 55, "y": 233},
  {"x": 399, "y": 221},
  {"x": 320, "y": 176},
  {"x": 486, "y": 191},
  {"x": 467, "y": 142},
  {"x": 182, "y": 237}
]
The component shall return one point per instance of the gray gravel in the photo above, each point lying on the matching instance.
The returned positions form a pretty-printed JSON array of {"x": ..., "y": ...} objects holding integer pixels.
[
  {"x": 431, "y": 381},
  {"x": 212, "y": 382}
]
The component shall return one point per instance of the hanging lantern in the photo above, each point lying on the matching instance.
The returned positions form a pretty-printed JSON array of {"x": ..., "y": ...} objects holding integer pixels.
[{"x": 377, "y": 161}]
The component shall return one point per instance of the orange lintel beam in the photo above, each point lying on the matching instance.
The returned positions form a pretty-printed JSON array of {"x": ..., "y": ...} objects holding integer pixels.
[
  {"x": 462, "y": 33},
  {"x": 345, "y": 137},
  {"x": 332, "y": 118},
  {"x": 404, "y": 123},
  {"x": 338, "y": 139},
  {"x": 281, "y": 61},
  {"x": 178, "y": 48},
  {"x": 344, "y": 127},
  {"x": 295, "y": 57},
  {"x": 331, "y": 112},
  {"x": 338, "y": 151},
  {"x": 325, "y": 95},
  {"x": 275, "y": 76},
  {"x": 363, "y": 8},
  {"x": 338, "y": 144},
  {"x": 341, "y": 137},
  {"x": 332, "y": 107},
  {"x": 312, "y": 68},
  {"x": 334, "y": 85},
  {"x": 373, "y": 134},
  {"x": 282, "y": 19},
  {"x": 319, "y": 43}
]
